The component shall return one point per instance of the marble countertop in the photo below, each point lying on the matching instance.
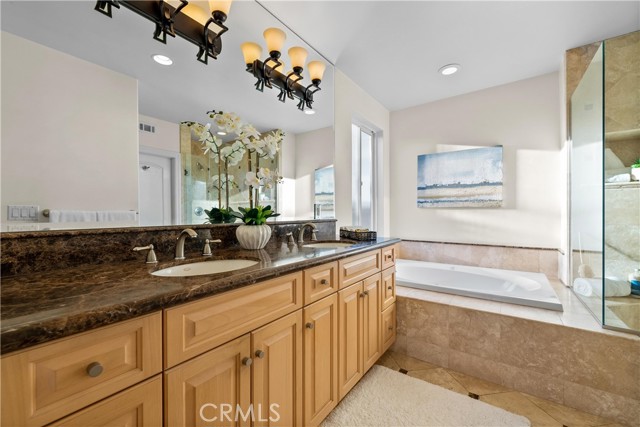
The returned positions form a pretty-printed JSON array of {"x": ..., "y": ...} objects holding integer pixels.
[{"x": 41, "y": 307}]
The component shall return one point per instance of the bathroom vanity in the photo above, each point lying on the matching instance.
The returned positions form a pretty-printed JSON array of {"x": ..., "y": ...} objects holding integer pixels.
[{"x": 286, "y": 339}]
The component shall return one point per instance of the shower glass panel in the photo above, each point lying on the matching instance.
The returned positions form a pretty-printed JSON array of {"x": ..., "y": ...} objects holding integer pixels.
[
  {"x": 605, "y": 187},
  {"x": 621, "y": 193},
  {"x": 586, "y": 185}
]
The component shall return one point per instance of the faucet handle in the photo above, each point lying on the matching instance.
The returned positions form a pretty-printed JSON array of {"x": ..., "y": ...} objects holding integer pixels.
[
  {"x": 206, "y": 251},
  {"x": 314, "y": 236},
  {"x": 151, "y": 255},
  {"x": 290, "y": 240}
]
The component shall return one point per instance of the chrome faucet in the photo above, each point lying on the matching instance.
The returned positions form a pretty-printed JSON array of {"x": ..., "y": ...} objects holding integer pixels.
[
  {"x": 180, "y": 243},
  {"x": 313, "y": 232}
]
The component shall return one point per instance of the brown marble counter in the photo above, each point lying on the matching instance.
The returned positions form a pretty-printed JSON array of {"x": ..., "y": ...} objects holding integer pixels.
[{"x": 44, "y": 306}]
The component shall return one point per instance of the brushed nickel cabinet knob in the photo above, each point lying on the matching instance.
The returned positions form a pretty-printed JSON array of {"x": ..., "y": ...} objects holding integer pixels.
[
  {"x": 94, "y": 369},
  {"x": 259, "y": 354},
  {"x": 309, "y": 325},
  {"x": 247, "y": 361}
]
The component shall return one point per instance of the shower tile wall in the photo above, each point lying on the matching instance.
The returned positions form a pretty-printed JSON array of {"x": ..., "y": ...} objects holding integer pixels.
[{"x": 504, "y": 257}]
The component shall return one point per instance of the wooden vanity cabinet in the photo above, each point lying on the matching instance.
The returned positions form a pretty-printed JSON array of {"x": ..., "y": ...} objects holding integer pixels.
[{"x": 281, "y": 352}]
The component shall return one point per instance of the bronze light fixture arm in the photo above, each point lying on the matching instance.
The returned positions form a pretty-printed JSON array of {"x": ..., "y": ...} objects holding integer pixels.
[{"x": 169, "y": 20}]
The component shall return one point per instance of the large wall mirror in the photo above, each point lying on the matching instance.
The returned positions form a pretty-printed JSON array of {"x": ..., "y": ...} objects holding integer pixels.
[{"x": 85, "y": 110}]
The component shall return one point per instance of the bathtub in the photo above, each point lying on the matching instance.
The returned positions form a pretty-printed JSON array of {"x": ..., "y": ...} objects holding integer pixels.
[{"x": 515, "y": 287}]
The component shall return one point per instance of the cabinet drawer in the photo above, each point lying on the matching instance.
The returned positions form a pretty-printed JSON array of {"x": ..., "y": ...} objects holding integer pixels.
[
  {"x": 388, "y": 327},
  {"x": 43, "y": 384},
  {"x": 138, "y": 406},
  {"x": 388, "y": 287},
  {"x": 192, "y": 329},
  {"x": 320, "y": 281},
  {"x": 359, "y": 267},
  {"x": 389, "y": 256}
]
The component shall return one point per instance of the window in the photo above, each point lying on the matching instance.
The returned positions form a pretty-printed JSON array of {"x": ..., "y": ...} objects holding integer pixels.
[{"x": 364, "y": 177}]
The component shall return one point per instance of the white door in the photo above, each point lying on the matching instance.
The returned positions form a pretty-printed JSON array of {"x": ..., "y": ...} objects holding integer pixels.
[{"x": 154, "y": 190}]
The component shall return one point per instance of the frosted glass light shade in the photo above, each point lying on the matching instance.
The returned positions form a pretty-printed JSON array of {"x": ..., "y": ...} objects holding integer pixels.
[
  {"x": 274, "y": 37},
  {"x": 316, "y": 70},
  {"x": 251, "y": 52},
  {"x": 197, "y": 10},
  {"x": 298, "y": 56},
  {"x": 221, "y": 5}
]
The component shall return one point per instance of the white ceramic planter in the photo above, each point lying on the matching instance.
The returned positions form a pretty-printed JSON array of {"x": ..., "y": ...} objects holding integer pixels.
[
  {"x": 635, "y": 174},
  {"x": 253, "y": 236}
]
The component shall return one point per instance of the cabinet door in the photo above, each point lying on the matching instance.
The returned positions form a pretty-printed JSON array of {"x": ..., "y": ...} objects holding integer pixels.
[
  {"x": 277, "y": 372},
  {"x": 388, "y": 327},
  {"x": 211, "y": 389},
  {"x": 372, "y": 289},
  {"x": 350, "y": 317},
  {"x": 138, "y": 406},
  {"x": 320, "y": 360},
  {"x": 388, "y": 287}
]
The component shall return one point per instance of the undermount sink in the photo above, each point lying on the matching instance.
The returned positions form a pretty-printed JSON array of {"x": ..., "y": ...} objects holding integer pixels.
[
  {"x": 205, "y": 267},
  {"x": 328, "y": 245}
]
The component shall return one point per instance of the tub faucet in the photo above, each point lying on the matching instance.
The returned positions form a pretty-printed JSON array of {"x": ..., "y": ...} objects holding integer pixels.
[
  {"x": 313, "y": 232},
  {"x": 180, "y": 243}
]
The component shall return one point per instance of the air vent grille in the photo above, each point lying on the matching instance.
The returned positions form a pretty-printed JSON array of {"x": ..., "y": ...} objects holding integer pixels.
[{"x": 147, "y": 128}]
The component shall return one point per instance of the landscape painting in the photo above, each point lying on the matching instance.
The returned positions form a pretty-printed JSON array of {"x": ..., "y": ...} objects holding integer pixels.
[{"x": 461, "y": 179}]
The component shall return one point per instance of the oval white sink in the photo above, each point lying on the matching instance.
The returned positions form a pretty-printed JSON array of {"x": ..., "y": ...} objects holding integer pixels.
[
  {"x": 205, "y": 267},
  {"x": 328, "y": 245}
]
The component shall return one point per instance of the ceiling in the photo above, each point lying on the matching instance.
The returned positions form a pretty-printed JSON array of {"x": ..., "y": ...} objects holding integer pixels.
[{"x": 393, "y": 49}]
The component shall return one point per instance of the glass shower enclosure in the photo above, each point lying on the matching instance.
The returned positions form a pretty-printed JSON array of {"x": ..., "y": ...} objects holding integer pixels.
[{"x": 603, "y": 93}]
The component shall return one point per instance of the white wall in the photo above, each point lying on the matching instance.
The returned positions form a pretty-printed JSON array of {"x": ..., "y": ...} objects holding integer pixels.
[
  {"x": 166, "y": 136},
  {"x": 353, "y": 103},
  {"x": 524, "y": 117},
  {"x": 69, "y": 131},
  {"x": 287, "y": 190},
  {"x": 313, "y": 150}
]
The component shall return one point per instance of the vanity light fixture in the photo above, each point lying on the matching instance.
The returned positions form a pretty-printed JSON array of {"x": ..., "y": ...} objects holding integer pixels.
[
  {"x": 162, "y": 60},
  {"x": 271, "y": 72},
  {"x": 449, "y": 69},
  {"x": 201, "y": 23}
]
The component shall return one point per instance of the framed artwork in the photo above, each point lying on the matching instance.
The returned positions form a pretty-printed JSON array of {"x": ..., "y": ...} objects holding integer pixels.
[{"x": 461, "y": 179}]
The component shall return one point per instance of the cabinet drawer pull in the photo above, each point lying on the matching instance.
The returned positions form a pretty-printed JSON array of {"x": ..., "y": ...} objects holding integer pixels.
[
  {"x": 309, "y": 325},
  {"x": 259, "y": 354},
  {"x": 391, "y": 328},
  {"x": 362, "y": 295},
  {"x": 389, "y": 287},
  {"x": 247, "y": 361},
  {"x": 324, "y": 282},
  {"x": 94, "y": 369},
  {"x": 366, "y": 293}
]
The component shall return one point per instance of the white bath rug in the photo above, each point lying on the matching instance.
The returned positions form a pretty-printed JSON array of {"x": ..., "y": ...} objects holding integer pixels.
[{"x": 385, "y": 397}]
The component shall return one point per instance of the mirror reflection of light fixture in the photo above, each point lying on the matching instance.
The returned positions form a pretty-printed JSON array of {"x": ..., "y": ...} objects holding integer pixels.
[
  {"x": 272, "y": 71},
  {"x": 200, "y": 22}
]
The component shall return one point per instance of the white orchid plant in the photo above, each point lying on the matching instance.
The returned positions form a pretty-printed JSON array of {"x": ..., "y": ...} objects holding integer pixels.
[{"x": 248, "y": 141}]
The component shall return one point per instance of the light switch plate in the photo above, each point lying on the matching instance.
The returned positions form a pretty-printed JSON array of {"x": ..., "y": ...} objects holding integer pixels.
[{"x": 22, "y": 212}]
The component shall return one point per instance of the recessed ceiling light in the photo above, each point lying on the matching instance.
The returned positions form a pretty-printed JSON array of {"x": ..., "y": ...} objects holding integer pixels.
[
  {"x": 449, "y": 69},
  {"x": 309, "y": 111},
  {"x": 221, "y": 133},
  {"x": 162, "y": 60}
]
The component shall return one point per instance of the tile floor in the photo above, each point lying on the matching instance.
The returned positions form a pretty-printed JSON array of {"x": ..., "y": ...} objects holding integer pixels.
[{"x": 539, "y": 411}]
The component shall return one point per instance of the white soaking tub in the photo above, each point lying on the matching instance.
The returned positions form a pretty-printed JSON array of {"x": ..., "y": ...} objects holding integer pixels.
[{"x": 515, "y": 287}]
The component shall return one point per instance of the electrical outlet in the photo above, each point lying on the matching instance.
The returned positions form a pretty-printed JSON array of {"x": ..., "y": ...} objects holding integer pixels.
[{"x": 22, "y": 213}]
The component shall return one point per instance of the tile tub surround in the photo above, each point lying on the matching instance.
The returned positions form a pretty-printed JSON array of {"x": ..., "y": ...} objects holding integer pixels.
[
  {"x": 504, "y": 257},
  {"x": 30, "y": 252},
  {"x": 565, "y": 358}
]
